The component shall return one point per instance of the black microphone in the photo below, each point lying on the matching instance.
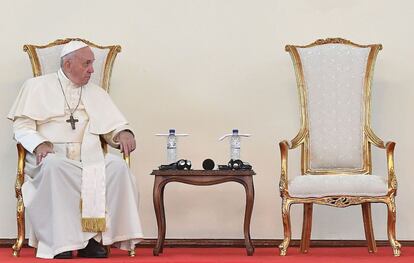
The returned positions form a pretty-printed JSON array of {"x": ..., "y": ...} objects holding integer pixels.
[{"x": 208, "y": 164}]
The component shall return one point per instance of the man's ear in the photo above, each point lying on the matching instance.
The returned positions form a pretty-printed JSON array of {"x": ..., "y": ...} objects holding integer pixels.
[{"x": 66, "y": 65}]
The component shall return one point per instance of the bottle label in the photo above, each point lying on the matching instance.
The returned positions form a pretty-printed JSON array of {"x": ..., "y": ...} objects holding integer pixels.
[
  {"x": 235, "y": 147},
  {"x": 171, "y": 149}
]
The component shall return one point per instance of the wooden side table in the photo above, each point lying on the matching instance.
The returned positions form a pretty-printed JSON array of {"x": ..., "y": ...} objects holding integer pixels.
[{"x": 201, "y": 177}]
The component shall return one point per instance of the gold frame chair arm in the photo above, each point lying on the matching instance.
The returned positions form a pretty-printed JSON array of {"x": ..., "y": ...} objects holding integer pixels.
[
  {"x": 389, "y": 147},
  {"x": 127, "y": 159},
  {"x": 373, "y": 138},
  {"x": 283, "y": 183},
  {"x": 104, "y": 146},
  {"x": 392, "y": 179},
  {"x": 284, "y": 147},
  {"x": 299, "y": 138}
]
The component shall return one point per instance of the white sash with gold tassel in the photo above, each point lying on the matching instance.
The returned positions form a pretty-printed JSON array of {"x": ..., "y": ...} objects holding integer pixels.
[{"x": 93, "y": 184}]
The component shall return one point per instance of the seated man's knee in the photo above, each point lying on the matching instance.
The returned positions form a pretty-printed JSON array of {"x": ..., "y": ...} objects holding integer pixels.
[
  {"x": 116, "y": 165},
  {"x": 51, "y": 163},
  {"x": 115, "y": 160}
]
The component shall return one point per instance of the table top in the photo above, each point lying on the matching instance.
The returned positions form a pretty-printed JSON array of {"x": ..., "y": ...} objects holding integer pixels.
[{"x": 203, "y": 172}]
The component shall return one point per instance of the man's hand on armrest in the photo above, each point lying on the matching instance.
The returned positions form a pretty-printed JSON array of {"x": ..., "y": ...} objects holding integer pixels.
[
  {"x": 42, "y": 150},
  {"x": 126, "y": 141}
]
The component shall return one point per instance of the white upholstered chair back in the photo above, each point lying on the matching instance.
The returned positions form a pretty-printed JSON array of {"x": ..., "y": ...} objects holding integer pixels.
[
  {"x": 334, "y": 81},
  {"x": 46, "y": 59},
  {"x": 334, "y": 77}
]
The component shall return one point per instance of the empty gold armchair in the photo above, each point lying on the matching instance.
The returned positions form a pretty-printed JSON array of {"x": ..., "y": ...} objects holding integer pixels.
[{"x": 334, "y": 81}]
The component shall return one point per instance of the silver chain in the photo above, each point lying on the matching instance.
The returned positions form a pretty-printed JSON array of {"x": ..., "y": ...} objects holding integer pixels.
[{"x": 64, "y": 95}]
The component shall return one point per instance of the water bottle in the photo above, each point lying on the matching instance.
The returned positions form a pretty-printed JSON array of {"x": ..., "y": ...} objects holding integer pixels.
[
  {"x": 235, "y": 145},
  {"x": 235, "y": 139},
  {"x": 171, "y": 147},
  {"x": 171, "y": 144}
]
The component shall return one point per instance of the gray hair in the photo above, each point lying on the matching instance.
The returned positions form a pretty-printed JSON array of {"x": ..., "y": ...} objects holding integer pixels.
[{"x": 66, "y": 57}]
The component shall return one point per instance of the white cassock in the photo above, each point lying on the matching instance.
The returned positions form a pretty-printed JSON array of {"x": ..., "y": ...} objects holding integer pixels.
[{"x": 53, "y": 189}]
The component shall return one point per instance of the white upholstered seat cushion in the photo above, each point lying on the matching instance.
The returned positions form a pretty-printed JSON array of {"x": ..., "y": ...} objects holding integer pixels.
[{"x": 330, "y": 185}]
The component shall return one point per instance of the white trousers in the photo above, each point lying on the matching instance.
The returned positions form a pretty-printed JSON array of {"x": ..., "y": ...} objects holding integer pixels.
[{"x": 51, "y": 195}]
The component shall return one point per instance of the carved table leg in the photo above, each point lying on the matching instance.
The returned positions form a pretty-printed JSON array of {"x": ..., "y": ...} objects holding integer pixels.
[
  {"x": 197, "y": 178},
  {"x": 248, "y": 185},
  {"x": 164, "y": 224},
  {"x": 158, "y": 198}
]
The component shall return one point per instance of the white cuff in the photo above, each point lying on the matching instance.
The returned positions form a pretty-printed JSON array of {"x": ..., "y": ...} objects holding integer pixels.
[
  {"x": 29, "y": 140},
  {"x": 110, "y": 137}
]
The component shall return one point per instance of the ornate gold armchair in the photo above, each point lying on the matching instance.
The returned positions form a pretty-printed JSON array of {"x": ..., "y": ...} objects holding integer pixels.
[
  {"x": 46, "y": 59},
  {"x": 334, "y": 81}
]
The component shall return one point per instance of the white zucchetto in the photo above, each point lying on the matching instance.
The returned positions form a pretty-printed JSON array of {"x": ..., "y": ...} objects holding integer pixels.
[{"x": 72, "y": 46}]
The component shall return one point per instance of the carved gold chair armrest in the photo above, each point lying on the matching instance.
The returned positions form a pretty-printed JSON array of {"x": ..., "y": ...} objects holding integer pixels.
[
  {"x": 284, "y": 147},
  {"x": 104, "y": 146},
  {"x": 392, "y": 179},
  {"x": 283, "y": 183},
  {"x": 389, "y": 148},
  {"x": 127, "y": 159}
]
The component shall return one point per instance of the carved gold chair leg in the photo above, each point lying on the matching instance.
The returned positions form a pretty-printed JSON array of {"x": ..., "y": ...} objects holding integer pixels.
[
  {"x": 21, "y": 152},
  {"x": 396, "y": 246},
  {"x": 131, "y": 253},
  {"x": 306, "y": 228},
  {"x": 286, "y": 203},
  {"x": 369, "y": 231},
  {"x": 20, "y": 228}
]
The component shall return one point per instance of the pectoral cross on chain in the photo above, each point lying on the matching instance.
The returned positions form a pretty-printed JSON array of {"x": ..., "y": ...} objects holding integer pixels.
[{"x": 72, "y": 121}]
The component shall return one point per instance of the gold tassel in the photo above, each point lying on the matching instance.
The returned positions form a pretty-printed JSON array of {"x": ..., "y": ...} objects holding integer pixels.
[{"x": 93, "y": 224}]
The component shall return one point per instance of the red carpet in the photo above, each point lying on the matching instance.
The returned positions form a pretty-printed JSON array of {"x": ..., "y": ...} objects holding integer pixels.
[{"x": 230, "y": 255}]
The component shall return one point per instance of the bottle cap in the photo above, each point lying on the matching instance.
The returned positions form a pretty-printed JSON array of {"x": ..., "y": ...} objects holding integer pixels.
[
  {"x": 235, "y": 131},
  {"x": 172, "y": 131}
]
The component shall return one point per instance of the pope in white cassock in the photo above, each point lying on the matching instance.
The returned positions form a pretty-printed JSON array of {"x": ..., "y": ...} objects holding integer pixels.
[{"x": 76, "y": 196}]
